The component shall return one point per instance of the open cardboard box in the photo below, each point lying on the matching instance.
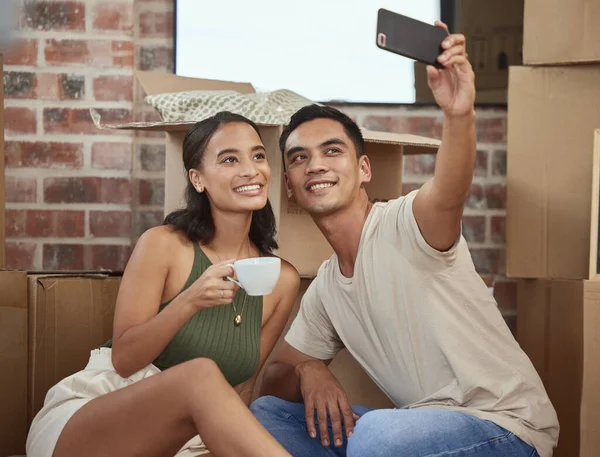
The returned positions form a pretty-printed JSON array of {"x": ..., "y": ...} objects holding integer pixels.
[
  {"x": 558, "y": 324},
  {"x": 558, "y": 32},
  {"x": 300, "y": 241},
  {"x": 552, "y": 172}
]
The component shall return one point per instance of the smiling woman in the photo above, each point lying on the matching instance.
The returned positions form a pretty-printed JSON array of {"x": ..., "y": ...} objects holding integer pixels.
[{"x": 188, "y": 343}]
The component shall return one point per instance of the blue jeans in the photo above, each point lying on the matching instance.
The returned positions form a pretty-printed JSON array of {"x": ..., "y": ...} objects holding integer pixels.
[{"x": 392, "y": 433}]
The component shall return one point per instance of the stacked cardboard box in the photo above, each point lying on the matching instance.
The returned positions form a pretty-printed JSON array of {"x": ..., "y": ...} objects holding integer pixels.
[{"x": 552, "y": 210}]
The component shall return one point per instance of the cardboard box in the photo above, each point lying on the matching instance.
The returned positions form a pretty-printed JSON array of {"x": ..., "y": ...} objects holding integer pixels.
[
  {"x": 300, "y": 241},
  {"x": 552, "y": 172},
  {"x": 13, "y": 360},
  {"x": 2, "y": 179},
  {"x": 494, "y": 33},
  {"x": 558, "y": 329},
  {"x": 69, "y": 315},
  {"x": 423, "y": 93},
  {"x": 561, "y": 32}
]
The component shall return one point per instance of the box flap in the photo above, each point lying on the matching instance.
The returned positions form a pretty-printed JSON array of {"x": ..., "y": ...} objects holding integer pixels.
[
  {"x": 155, "y": 82},
  {"x": 413, "y": 144}
]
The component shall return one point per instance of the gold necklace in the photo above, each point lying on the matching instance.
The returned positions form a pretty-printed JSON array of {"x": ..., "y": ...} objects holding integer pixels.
[{"x": 237, "y": 320}]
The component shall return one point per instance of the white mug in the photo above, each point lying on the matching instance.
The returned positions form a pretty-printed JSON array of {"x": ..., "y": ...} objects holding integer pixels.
[{"x": 257, "y": 275}]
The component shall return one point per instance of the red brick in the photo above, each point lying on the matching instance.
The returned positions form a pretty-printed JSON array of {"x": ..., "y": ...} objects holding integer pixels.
[
  {"x": 16, "y": 223},
  {"x": 488, "y": 261},
  {"x": 476, "y": 198},
  {"x": 152, "y": 157},
  {"x": 19, "y": 120},
  {"x": 110, "y": 223},
  {"x": 155, "y": 58},
  {"x": 22, "y": 51},
  {"x": 474, "y": 228},
  {"x": 94, "y": 53},
  {"x": 43, "y": 86},
  {"x": 114, "y": 17},
  {"x": 87, "y": 190},
  {"x": 420, "y": 164},
  {"x": 69, "y": 120},
  {"x": 498, "y": 229},
  {"x": 60, "y": 224},
  {"x": 145, "y": 220},
  {"x": 112, "y": 156},
  {"x": 156, "y": 24},
  {"x": 491, "y": 130},
  {"x": 53, "y": 15},
  {"x": 495, "y": 194},
  {"x": 43, "y": 155},
  {"x": 151, "y": 192},
  {"x": 19, "y": 84},
  {"x": 113, "y": 88},
  {"x": 481, "y": 163},
  {"x": 63, "y": 257},
  {"x": 20, "y": 256},
  {"x": 499, "y": 163},
  {"x": 20, "y": 190},
  {"x": 408, "y": 187},
  {"x": 107, "y": 257}
]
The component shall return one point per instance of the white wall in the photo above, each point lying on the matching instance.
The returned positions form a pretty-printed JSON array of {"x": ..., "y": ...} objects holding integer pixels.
[{"x": 322, "y": 49}]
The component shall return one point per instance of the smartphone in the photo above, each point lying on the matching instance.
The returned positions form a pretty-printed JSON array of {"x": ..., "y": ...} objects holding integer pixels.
[{"x": 410, "y": 38}]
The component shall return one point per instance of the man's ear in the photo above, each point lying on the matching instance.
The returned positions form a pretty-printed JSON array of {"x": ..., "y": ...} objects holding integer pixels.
[
  {"x": 365, "y": 169},
  {"x": 288, "y": 185}
]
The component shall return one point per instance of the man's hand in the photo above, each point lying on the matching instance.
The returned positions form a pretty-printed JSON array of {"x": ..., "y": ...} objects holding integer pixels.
[
  {"x": 322, "y": 392},
  {"x": 453, "y": 87}
]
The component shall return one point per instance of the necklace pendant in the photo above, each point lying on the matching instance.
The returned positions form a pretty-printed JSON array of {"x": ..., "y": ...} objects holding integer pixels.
[{"x": 238, "y": 319}]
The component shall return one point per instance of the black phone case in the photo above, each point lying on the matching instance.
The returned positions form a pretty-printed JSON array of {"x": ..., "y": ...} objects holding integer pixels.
[{"x": 409, "y": 38}]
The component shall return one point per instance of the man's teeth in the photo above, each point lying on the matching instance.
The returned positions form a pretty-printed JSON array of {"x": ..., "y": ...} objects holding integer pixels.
[
  {"x": 247, "y": 188},
  {"x": 321, "y": 186}
]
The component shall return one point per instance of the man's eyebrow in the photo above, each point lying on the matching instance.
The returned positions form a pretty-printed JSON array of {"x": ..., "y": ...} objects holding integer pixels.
[
  {"x": 333, "y": 141},
  {"x": 294, "y": 150}
]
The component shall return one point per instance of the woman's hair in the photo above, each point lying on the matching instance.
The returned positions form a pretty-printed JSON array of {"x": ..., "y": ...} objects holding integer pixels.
[{"x": 195, "y": 220}]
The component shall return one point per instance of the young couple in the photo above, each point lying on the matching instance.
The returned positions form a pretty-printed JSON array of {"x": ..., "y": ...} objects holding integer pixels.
[{"x": 401, "y": 294}]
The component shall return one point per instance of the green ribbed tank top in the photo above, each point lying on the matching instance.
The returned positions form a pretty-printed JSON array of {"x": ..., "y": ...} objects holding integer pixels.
[{"x": 211, "y": 333}]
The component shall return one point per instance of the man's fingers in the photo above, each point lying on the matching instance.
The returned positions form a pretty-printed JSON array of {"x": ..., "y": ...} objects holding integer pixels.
[
  {"x": 456, "y": 60},
  {"x": 442, "y": 25},
  {"x": 349, "y": 418},
  {"x": 309, "y": 411},
  {"x": 449, "y": 53},
  {"x": 322, "y": 418},
  {"x": 336, "y": 423}
]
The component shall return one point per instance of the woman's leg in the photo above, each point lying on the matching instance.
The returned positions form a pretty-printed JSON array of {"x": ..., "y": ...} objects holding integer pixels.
[{"x": 155, "y": 417}]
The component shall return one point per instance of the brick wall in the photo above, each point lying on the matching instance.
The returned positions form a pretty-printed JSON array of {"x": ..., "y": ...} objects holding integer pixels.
[
  {"x": 79, "y": 198},
  {"x": 76, "y": 196}
]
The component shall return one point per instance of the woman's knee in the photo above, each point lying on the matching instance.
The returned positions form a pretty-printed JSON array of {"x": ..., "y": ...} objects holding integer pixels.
[{"x": 198, "y": 373}]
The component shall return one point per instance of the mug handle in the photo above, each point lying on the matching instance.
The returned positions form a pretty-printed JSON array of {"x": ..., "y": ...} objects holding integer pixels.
[{"x": 231, "y": 279}]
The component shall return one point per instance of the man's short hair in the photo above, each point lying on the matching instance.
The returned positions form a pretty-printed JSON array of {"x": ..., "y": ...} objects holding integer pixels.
[{"x": 312, "y": 112}]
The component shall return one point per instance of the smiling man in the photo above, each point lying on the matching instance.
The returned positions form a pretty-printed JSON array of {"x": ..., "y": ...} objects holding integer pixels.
[{"x": 402, "y": 295}]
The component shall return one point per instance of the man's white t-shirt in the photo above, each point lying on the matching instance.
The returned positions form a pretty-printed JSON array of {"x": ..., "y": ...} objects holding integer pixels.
[{"x": 425, "y": 327}]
